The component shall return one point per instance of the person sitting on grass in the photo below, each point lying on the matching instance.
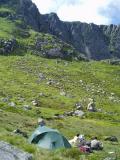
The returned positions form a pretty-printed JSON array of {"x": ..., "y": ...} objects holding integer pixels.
[
  {"x": 75, "y": 141},
  {"x": 96, "y": 144},
  {"x": 82, "y": 140},
  {"x": 41, "y": 122}
]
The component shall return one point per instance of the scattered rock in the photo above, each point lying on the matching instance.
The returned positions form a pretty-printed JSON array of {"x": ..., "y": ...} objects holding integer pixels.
[
  {"x": 69, "y": 113},
  {"x": 79, "y": 113},
  {"x": 12, "y": 104},
  {"x": 9, "y": 152},
  {"x": 7, "y": 46},
  {"x": 111, "y": 138},
  {"x": 21, "y": 99},
  {"x": 59, "y": 116},
  {"x": 51, "y": 82},
  {"x": 27, "y": 107},
  {"x": 62, "y": 93},
  {"x": 41, "y": 76},
  {"x": 41, "y": 94},
  {"x": 5, "y": 99},
  {"x": 99, "y": 110},
  {"x": 81, "y": 81},
  {"x": 36, "y": 103}
]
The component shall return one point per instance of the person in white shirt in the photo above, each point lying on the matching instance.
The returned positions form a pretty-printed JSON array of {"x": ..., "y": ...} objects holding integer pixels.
[{"x": 96, "y": 144}]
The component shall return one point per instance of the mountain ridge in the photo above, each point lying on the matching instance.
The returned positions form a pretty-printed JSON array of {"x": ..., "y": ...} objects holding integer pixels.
[{"x": 94, "y": 41}]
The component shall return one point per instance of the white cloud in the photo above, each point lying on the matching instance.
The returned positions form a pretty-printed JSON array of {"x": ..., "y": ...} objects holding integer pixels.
[
  {"x": 44, "y": 6},
  {"x": 76, "y": 10},
  {"x": 88, "y": 11}
]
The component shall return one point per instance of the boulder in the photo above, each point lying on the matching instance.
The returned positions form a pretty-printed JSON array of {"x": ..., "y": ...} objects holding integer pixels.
[
  {"x": 9, "y": 152},
  {"x": 111, "y": 138},
  {"x": 7, "y": 46},
  {"x": 79, "y": 113}
]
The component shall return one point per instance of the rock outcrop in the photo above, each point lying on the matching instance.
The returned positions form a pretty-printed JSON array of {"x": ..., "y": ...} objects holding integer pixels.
[
  {"x": 96, "y": 42},
  {"x": 9, "y": 152},
  {"x": 7, "y": 46},
  {"x": 52, "y": 47}
]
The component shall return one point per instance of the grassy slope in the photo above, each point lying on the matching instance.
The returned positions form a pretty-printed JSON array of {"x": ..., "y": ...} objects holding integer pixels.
[{"x": 19, "y": 78}]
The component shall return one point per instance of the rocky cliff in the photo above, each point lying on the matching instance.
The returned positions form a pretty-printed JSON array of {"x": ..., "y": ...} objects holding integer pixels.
[{"x": 95, "y": 41}]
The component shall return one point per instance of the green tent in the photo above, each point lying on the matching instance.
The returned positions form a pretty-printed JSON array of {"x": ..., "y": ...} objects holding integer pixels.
[{"x": 49, "y": 138}]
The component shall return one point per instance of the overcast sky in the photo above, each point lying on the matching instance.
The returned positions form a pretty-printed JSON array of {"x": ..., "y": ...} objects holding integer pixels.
[{"x": 90, "y": 11}]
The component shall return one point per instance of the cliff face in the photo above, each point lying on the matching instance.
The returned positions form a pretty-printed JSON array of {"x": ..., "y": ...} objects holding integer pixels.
[{"x": 96, "y": 42}]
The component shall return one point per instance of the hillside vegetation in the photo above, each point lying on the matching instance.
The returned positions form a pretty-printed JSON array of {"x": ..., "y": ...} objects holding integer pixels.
[
  {"x": 26, "y": 75},
  {"x": 24, "y": 79}
]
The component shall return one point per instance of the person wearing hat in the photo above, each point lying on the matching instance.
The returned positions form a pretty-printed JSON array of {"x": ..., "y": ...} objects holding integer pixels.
[{"x": 41, "y": 122}]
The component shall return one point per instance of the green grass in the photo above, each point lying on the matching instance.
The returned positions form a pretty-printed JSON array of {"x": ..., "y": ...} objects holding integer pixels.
[
  {"x": 6, "y": 28},
  {"x": 19, "y": 77},
  {"x": 3, "y": 9}
]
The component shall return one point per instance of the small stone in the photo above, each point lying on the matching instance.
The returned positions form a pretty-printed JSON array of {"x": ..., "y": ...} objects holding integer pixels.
[
  {"x": 11, "y": 104},
  {"x": 62, "y": 93},
  {"x": 35, "y": 103},
  {"x": 69, "y": 113},
  {"x": 79, "y": 113},
  {"x": 81, "y": 81},
  {"x": 41, "y": 94},
  {"x": 5, "y": 99},
  {"x": 21, "y": 99},
  {"x": 27, "y": 107},
  {"x": 41, "y": 76},
  {"x": 49, "y": 83}
]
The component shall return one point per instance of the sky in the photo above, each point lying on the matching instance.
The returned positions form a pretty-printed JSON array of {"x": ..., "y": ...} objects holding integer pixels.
[{"x": 89, "y": 11}]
